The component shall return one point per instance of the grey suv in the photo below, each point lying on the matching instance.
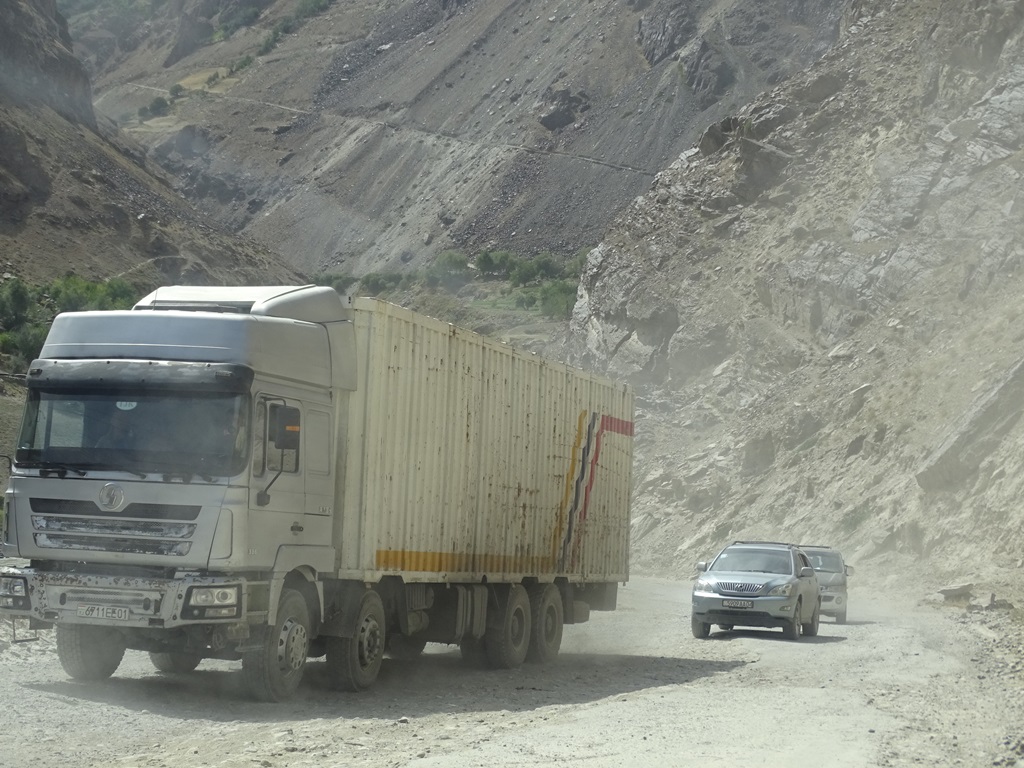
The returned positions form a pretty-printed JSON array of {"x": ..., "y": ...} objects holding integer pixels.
[
  {"x": 832, "y": 572},
  {"x": 757, "y": 584}
]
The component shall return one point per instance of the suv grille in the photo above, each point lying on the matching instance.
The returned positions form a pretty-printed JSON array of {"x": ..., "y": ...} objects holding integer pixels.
[{"x": 739, "y": 587}]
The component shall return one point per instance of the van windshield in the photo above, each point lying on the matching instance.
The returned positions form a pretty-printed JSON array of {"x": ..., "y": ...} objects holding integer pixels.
[{"x": 203, "y": 434}]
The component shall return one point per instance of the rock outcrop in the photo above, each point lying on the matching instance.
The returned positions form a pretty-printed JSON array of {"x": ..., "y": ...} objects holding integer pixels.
[{"x": 36, "y": 61}]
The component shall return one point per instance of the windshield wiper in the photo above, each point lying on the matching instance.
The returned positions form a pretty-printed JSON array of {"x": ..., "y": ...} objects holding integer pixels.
[
  {"x": 60, "y": 470},
  {"x": 186, "y": 473}
]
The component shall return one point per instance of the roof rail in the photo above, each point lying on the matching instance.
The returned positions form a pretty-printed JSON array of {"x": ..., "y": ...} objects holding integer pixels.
[
  {"x": 814, "y": 546},
  {"x": 777, "y": 543}
]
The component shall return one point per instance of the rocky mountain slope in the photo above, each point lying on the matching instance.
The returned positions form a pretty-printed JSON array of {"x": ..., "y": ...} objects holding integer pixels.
[
  {"x": 379, "y": 133},
  {"x": 76, "y": 196},
  {"x": 806, "y": 216},
  {"x": 821, "y": 303}
]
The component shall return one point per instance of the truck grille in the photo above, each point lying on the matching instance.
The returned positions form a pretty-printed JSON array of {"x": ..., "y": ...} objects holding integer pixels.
[
  {"x": 157, "y": 529},
  {"x": 91, "y": 509}
]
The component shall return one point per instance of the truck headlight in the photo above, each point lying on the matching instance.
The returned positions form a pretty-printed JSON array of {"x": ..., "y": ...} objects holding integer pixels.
[
  {"x": 13, "y": 592},
  {"x": 13, "y": 586},
  {"x": 212, "y": 603},
  {"x": 783, "y": 590}
]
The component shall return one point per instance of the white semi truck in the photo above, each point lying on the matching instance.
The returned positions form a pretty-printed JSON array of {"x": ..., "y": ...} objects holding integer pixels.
[{"x": 271, "y": 474}]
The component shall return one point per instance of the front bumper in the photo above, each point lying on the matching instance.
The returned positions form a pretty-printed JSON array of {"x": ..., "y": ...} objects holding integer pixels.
[
  {"x": 123, "y": 601},
  {"x": 768, "y": 612},
  {"x": 833, "y": 603}
]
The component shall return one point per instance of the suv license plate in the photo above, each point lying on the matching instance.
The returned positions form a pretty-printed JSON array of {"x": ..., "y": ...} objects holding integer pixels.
[
  {"x": 113, "y": 612},
  {"x": 737, "y": 604}
]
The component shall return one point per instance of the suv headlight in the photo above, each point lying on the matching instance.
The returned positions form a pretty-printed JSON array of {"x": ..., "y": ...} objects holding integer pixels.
[
  {"x": 704, "y": 585},
  {"x": 783, "y": 590}
]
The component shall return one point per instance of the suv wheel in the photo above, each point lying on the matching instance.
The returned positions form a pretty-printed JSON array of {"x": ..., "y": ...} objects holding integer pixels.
[
  {"x": 792, "y": 630},
  {"x": 701, "y": 629},
  {"x": 811, "y": 629}
]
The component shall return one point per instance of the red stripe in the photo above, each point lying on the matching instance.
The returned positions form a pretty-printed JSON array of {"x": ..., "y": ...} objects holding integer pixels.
[{"x": 618, "y": 426}]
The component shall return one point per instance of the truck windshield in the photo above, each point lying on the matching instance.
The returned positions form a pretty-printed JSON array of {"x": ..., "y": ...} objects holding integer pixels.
[{"x": 191, "y": 434}]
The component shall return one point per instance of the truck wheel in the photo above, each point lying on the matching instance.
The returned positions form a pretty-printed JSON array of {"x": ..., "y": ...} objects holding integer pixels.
[
  {"x": 175, "y": 661},
  {"x": 354, "y": 662},
  {"x": 547, "y": 621},
  {"x": 273, "y": 671},
  {"x": 792, "y": 629},
  {"x": 474, "y": 651},
  {"x": 404, "y": 647},
  {"x": 508, "y": 638},
  {"x": 87, "y": 652},
  {"x": 700, "y": 629},
  {"x": 811, "y": 628}
]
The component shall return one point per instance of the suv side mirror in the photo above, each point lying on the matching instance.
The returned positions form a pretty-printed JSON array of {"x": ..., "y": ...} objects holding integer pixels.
[
  {"x": 849, "y": 570},
  {"x": 702, "y": 566},
  {"x": 806, "y": 571}
]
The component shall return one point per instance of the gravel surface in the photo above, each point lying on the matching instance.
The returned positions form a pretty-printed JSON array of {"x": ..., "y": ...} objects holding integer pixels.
[{"x": 906, "y": 682}]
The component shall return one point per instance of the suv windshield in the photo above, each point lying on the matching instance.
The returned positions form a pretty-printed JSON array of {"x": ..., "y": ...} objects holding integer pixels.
[
  {"x": 756, "y": 560},
  {"x": 829, "y": 562},
  {"x": 205, "y": 434}
]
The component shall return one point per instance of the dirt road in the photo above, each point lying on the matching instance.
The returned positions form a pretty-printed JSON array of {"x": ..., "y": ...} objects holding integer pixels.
[{"x": 904, "y": 683}]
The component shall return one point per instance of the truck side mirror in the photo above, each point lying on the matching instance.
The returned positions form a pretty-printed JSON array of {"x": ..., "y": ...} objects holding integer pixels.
[{"x": 284, "y": 430}]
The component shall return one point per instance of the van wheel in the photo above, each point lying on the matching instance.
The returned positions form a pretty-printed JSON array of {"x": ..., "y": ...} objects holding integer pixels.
[
  {"x": 546, "y": 621},
  {"x": 507, "y": 639},
  {"x": 273, "y": 671},
  {"x": 175, "y": 661},
  {"x": 353, "y": 663},
  {"x": 87, "y": 652}
]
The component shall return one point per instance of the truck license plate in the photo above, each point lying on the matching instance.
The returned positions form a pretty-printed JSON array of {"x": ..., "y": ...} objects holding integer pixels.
[
  {"x": 113, "y": 612},
  {"x": 737, "y": 604}
]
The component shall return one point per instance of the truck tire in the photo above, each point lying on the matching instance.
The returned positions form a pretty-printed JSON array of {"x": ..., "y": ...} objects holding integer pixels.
[
  {"x": 404, "y": 647},
  {"x": 175, "y": 661},
  {"x": 354, "y": 662},
  {"x": 507, "y": 639},
  {"x": 87, "y": 652},
  {"x": 474, "y": 651},
  {"x": 547, "y": 619},
  {"x": 273, "y": 671}
]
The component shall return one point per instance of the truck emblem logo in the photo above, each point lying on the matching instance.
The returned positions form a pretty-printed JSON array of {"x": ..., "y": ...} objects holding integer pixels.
[{"x": 111, "y": 496}]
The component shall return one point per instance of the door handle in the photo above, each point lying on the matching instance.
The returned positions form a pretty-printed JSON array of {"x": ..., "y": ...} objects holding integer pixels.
[{"x": 296, "y": 528}]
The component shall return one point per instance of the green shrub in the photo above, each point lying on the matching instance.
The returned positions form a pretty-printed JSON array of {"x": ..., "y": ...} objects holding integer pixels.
[
  {"x": 376, "y": 283},
  {"x": 557, "y": 298},
  {"x": 340, "y": 283},
  {"x": 176, "y": 90},
  {"x": 159, "y": 106}
]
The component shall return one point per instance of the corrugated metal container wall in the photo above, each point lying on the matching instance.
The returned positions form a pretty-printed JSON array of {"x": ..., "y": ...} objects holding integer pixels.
[{"x": 469, "y": 459}]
